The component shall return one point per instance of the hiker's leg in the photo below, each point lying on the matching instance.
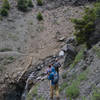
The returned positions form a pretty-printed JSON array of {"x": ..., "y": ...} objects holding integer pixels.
[
  {"x": 57, "y": 91},
  {"x": 51, "y": 91},
  {"x": 49, "y": 83}
]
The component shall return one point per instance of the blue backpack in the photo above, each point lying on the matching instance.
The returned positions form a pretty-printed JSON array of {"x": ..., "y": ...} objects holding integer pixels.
[{"x": 55, "y": 78}]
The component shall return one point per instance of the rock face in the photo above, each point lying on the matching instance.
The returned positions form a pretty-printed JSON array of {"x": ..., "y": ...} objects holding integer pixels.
[
  {"x": 70, "y": 53},
  {"x": 87, "y": 70}
]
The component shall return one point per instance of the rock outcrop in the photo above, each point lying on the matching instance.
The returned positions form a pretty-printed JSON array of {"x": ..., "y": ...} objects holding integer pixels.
[{"x": 85, "y": 74}]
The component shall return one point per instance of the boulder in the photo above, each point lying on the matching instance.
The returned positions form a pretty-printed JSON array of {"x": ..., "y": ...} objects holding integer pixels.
[
  {"x": 70, "y": 53},
  {"x": 71, "y": 40},
  {"x": 68, "y": 48}
]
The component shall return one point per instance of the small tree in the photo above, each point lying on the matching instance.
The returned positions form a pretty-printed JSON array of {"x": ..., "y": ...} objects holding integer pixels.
[
  {"x": 4, "y": 12},
  {"x": 22, "y": 5},
  {"x": 39, "y": 2},
  {"x": 6, "y": 4},
  {"x": 85, "y": 27},
  {"x": 5, "y": 7},
  {"x": 39, "y": 16},
  {"x": 30, "y": 3}
]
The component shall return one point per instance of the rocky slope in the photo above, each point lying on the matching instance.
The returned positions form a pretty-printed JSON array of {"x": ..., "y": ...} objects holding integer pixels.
[
  {"x": 83, "y": 75},
  {"x": 22, "y": 36}
]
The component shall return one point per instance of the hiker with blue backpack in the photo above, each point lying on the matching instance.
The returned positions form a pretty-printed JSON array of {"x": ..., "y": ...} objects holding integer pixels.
[
  {"x": 53, "y": 76},
  {"x": 57, "y": 65}
]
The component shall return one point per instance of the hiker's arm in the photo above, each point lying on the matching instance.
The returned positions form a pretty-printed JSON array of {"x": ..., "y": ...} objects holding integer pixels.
[{"x": 59, "y": 64}]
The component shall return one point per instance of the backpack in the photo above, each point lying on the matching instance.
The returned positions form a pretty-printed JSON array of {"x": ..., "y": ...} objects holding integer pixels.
[
  {"x": 55, "y": 78},
  {"x": 57, "y": 65}
]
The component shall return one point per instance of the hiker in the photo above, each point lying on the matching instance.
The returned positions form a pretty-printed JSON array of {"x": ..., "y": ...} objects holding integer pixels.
[
  {"x": 57, "y": 65},
  {"x": 53, "y": 76},
  {"x": 48, "y": 71}
]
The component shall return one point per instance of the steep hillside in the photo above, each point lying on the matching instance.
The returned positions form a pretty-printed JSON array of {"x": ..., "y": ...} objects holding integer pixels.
[
  {"x": 22, "y": 35},
  {"x": 31, "y": 40}
]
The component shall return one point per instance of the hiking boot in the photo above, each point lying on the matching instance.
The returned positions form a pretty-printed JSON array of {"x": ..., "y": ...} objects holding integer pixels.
[
  {"x": 57, "y": 98},
  {"x": 51, "y": 98}
]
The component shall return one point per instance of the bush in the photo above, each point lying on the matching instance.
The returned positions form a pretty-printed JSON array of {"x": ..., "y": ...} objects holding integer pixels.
[
  {"x": 73, "y": 90},
  {"x": 84, "y": 98},
  {"x": 63, "y": 86},
  {"x": 39, "y": 16},
  {"x": 85, "y": 27},
  {"x": 32, "y": 93},
  {"x": 39, "y": 98},
  {"x": 5, "y": 49},
  {"x": 1, "y": 18},
  {"x": 96, "y": 95},
  {"x": 22, "y": 5},
  {"x": 97, "y": 51},
  {"x": 78, "y": 57},
  {"x": 64, "y": 75},
  {"x": 97, "y": 9},
  {"x": 6, "y": 4},
  {"x": 82, "y": 76},
  {"x": 4, "y": 12},
  {"x": 39, "y": 2},
  {"x": 30, "y": 3}
]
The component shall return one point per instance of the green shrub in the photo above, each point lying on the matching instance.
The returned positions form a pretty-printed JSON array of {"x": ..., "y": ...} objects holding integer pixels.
[
  {"x": 73, "y": 90},
  {"x": 3, "y": 12},
  {"x": 32, "y": 93},
  {"x": 11, "y": 58},
  {"x": 63, "y": 86},
  {"x": 6, "y": 4},
  {"x": 39, "y": 2},
  {"x": 39, "y": 16},
  {"x": 30, "y": 3},
  {"x": 5, "y": 49},
  {"x": 82, "y": 76},
  {"x": 1, "y": 18},
  {"x": 2, "y": 68},
  {"x": 64, "y": 75},
  {"x": 78, "y": 57},
  {"x": 22, "y": 5},
  {"x": 97, "y": 51},
  {"x": 85, "y": 27},
  {"x": 96, "y": 95},
  {"x": 97, "y": 9},
  {"x": 39, "y": 98},
  {"x": 84, "y": 98}
]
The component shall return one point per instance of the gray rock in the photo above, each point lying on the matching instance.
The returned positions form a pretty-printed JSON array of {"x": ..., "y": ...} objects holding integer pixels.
[
  {"x": 68, "y": 48},
  {"x": 71, "y": 40},
  {"x": 70, "y": 54}
]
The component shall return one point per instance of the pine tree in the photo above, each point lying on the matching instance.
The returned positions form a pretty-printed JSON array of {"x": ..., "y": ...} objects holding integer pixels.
[
  {"x": 85, "y": 27},
  {"x": 39, "y": 2},
  {"x": 4, "y": 12},
  {"x": 39, "y": 16},
  {"x": 6, "y": 4},
  {"x": 30, "y": 3},
  {"x": 5, "y": 7},
  {"x": 22, "y": 5}
]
